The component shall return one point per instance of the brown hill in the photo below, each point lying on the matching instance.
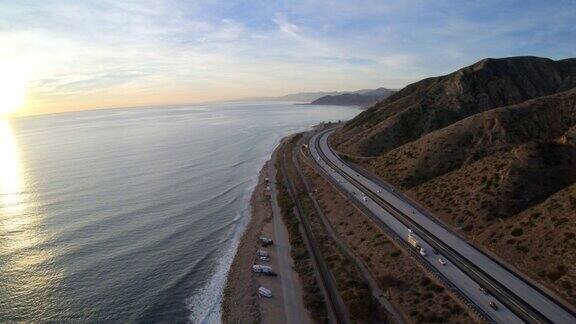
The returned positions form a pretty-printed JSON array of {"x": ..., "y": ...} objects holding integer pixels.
[
  {"x": 436, "y": 102},
  {"x": 491, "y": 151},
  {"x": 520, "y": 204},
  {"x": 480, "y": 135}
]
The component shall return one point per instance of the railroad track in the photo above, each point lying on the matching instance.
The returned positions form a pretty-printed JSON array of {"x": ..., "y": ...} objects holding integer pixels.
[{"x": 333, "y": 300}]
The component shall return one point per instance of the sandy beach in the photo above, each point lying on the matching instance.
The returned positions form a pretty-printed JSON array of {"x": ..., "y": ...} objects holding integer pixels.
[{"x": 240, "y": 300}]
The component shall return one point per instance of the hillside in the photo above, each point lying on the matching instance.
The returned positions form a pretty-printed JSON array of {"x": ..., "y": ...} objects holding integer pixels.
[
  {"x": 436, "y": 102},
  {"x": 542, "y": 119},
  {"x": 491, "y": 150},
  {"x": 362, "y": 98}
]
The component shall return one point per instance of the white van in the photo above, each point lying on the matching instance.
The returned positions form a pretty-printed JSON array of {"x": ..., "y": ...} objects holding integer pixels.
[
  {"x": 261, "y": 268},
  {"x": 265, "y": 292}
]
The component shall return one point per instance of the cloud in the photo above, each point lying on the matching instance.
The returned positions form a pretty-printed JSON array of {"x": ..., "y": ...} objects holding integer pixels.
[
  {"x": 286, "y": 27},
  {"x": 74, "y": 51}
]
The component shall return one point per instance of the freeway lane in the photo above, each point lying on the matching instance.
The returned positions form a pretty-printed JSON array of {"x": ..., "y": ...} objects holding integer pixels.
[
  {"x": 536, "y": 306},
  {"x": 451, "y": 273}
]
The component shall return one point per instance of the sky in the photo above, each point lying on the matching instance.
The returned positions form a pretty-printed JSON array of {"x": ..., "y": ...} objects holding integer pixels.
[{"x": 58, "y": 55}]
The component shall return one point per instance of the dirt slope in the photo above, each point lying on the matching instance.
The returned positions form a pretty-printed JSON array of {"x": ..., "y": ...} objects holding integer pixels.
[
  {"x": 491, "y": 150},
  {"x": 436, "y": 102}
]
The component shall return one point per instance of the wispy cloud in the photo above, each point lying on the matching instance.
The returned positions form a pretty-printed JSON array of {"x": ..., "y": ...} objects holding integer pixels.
[{"x": 75, "y": 53}]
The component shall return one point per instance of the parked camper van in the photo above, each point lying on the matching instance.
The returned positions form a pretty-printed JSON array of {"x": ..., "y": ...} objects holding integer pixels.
[
  {"x": 265, "y": 292},
  {"x": 264, "y": 241}
]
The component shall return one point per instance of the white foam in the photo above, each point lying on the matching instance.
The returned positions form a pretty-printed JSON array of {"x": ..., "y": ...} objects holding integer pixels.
[{"x": 205, "y": 304}]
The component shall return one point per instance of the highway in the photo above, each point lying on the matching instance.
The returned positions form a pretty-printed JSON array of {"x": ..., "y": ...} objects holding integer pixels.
[
  {"x": 466, "y": 268},
  {"x": 377, "y": 293}
]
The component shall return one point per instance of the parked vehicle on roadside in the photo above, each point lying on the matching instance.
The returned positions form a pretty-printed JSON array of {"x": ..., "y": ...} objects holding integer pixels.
[
  {"x": 264, "y": 241},
  {"x": 261, "y": 269},
  {"x": 265, "y": 292}
]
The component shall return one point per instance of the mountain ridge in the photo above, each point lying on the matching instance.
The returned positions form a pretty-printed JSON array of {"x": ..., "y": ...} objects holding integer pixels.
[
  {"x": 435, "y": 102},
  {"x": 363, "y": 98},
  {"x": 490, "y": 150}
]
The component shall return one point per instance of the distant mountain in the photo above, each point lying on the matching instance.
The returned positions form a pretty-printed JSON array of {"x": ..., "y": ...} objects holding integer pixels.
[
  {"x": 301, "y": 96},
  {"x": 307, "y": 96},
  {"x": 364, "y": 98},
  {"x": 313, "y": 96}
]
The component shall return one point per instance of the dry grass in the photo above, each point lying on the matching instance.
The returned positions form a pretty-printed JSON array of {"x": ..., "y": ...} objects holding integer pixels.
[{"x": 418, "y": 297}]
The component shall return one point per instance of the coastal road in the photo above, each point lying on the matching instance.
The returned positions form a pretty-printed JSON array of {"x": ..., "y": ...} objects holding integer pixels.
[
  {"x": 467, "y": 268},
  {"x": 294, "y": 308},
  {"x": 377, "y": 293}
]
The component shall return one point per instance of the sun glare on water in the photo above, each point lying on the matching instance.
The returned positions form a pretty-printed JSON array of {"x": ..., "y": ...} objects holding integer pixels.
[{"x": 12, "y": 90}]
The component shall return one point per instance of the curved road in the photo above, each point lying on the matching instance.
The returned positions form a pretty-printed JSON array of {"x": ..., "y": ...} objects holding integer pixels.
[{"x": 466, "y": 268}]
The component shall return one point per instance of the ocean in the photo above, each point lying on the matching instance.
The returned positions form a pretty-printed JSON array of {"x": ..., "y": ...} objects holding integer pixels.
[{"x": 132, "y": 215}]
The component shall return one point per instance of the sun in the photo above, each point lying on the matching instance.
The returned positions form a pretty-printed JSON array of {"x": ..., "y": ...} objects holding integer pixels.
[{"x": 12, "y": 90}]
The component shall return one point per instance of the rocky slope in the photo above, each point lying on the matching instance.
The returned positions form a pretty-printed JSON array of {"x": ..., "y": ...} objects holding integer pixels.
[
  {"x": 491, "y": 150},
  {"x": 436, "y": 102}
]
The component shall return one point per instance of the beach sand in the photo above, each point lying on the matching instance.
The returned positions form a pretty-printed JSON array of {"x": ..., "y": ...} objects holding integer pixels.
[{"x": 240, "y": 303}]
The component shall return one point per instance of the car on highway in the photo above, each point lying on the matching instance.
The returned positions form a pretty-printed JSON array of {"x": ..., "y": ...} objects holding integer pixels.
[
  {"x": 483, "y": 290},
  {"x": 422, "y": 252},
  {"x": 493, "y": 305},
  {"x": 434, "y": 251},
  {"x": 442, "y": 261}
]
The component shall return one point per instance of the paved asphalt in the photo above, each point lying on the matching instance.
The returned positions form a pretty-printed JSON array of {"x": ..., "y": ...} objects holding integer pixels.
[
  {"x": 522, "y": 301},
  {"x": 294, "y": 309},
  {"x": 377, "y": 293}
]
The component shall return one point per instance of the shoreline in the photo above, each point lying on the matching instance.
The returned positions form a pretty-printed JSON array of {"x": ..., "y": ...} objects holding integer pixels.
[
  {"x": 239, "y": 298},
  {"x": 241, "y": 302}
]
